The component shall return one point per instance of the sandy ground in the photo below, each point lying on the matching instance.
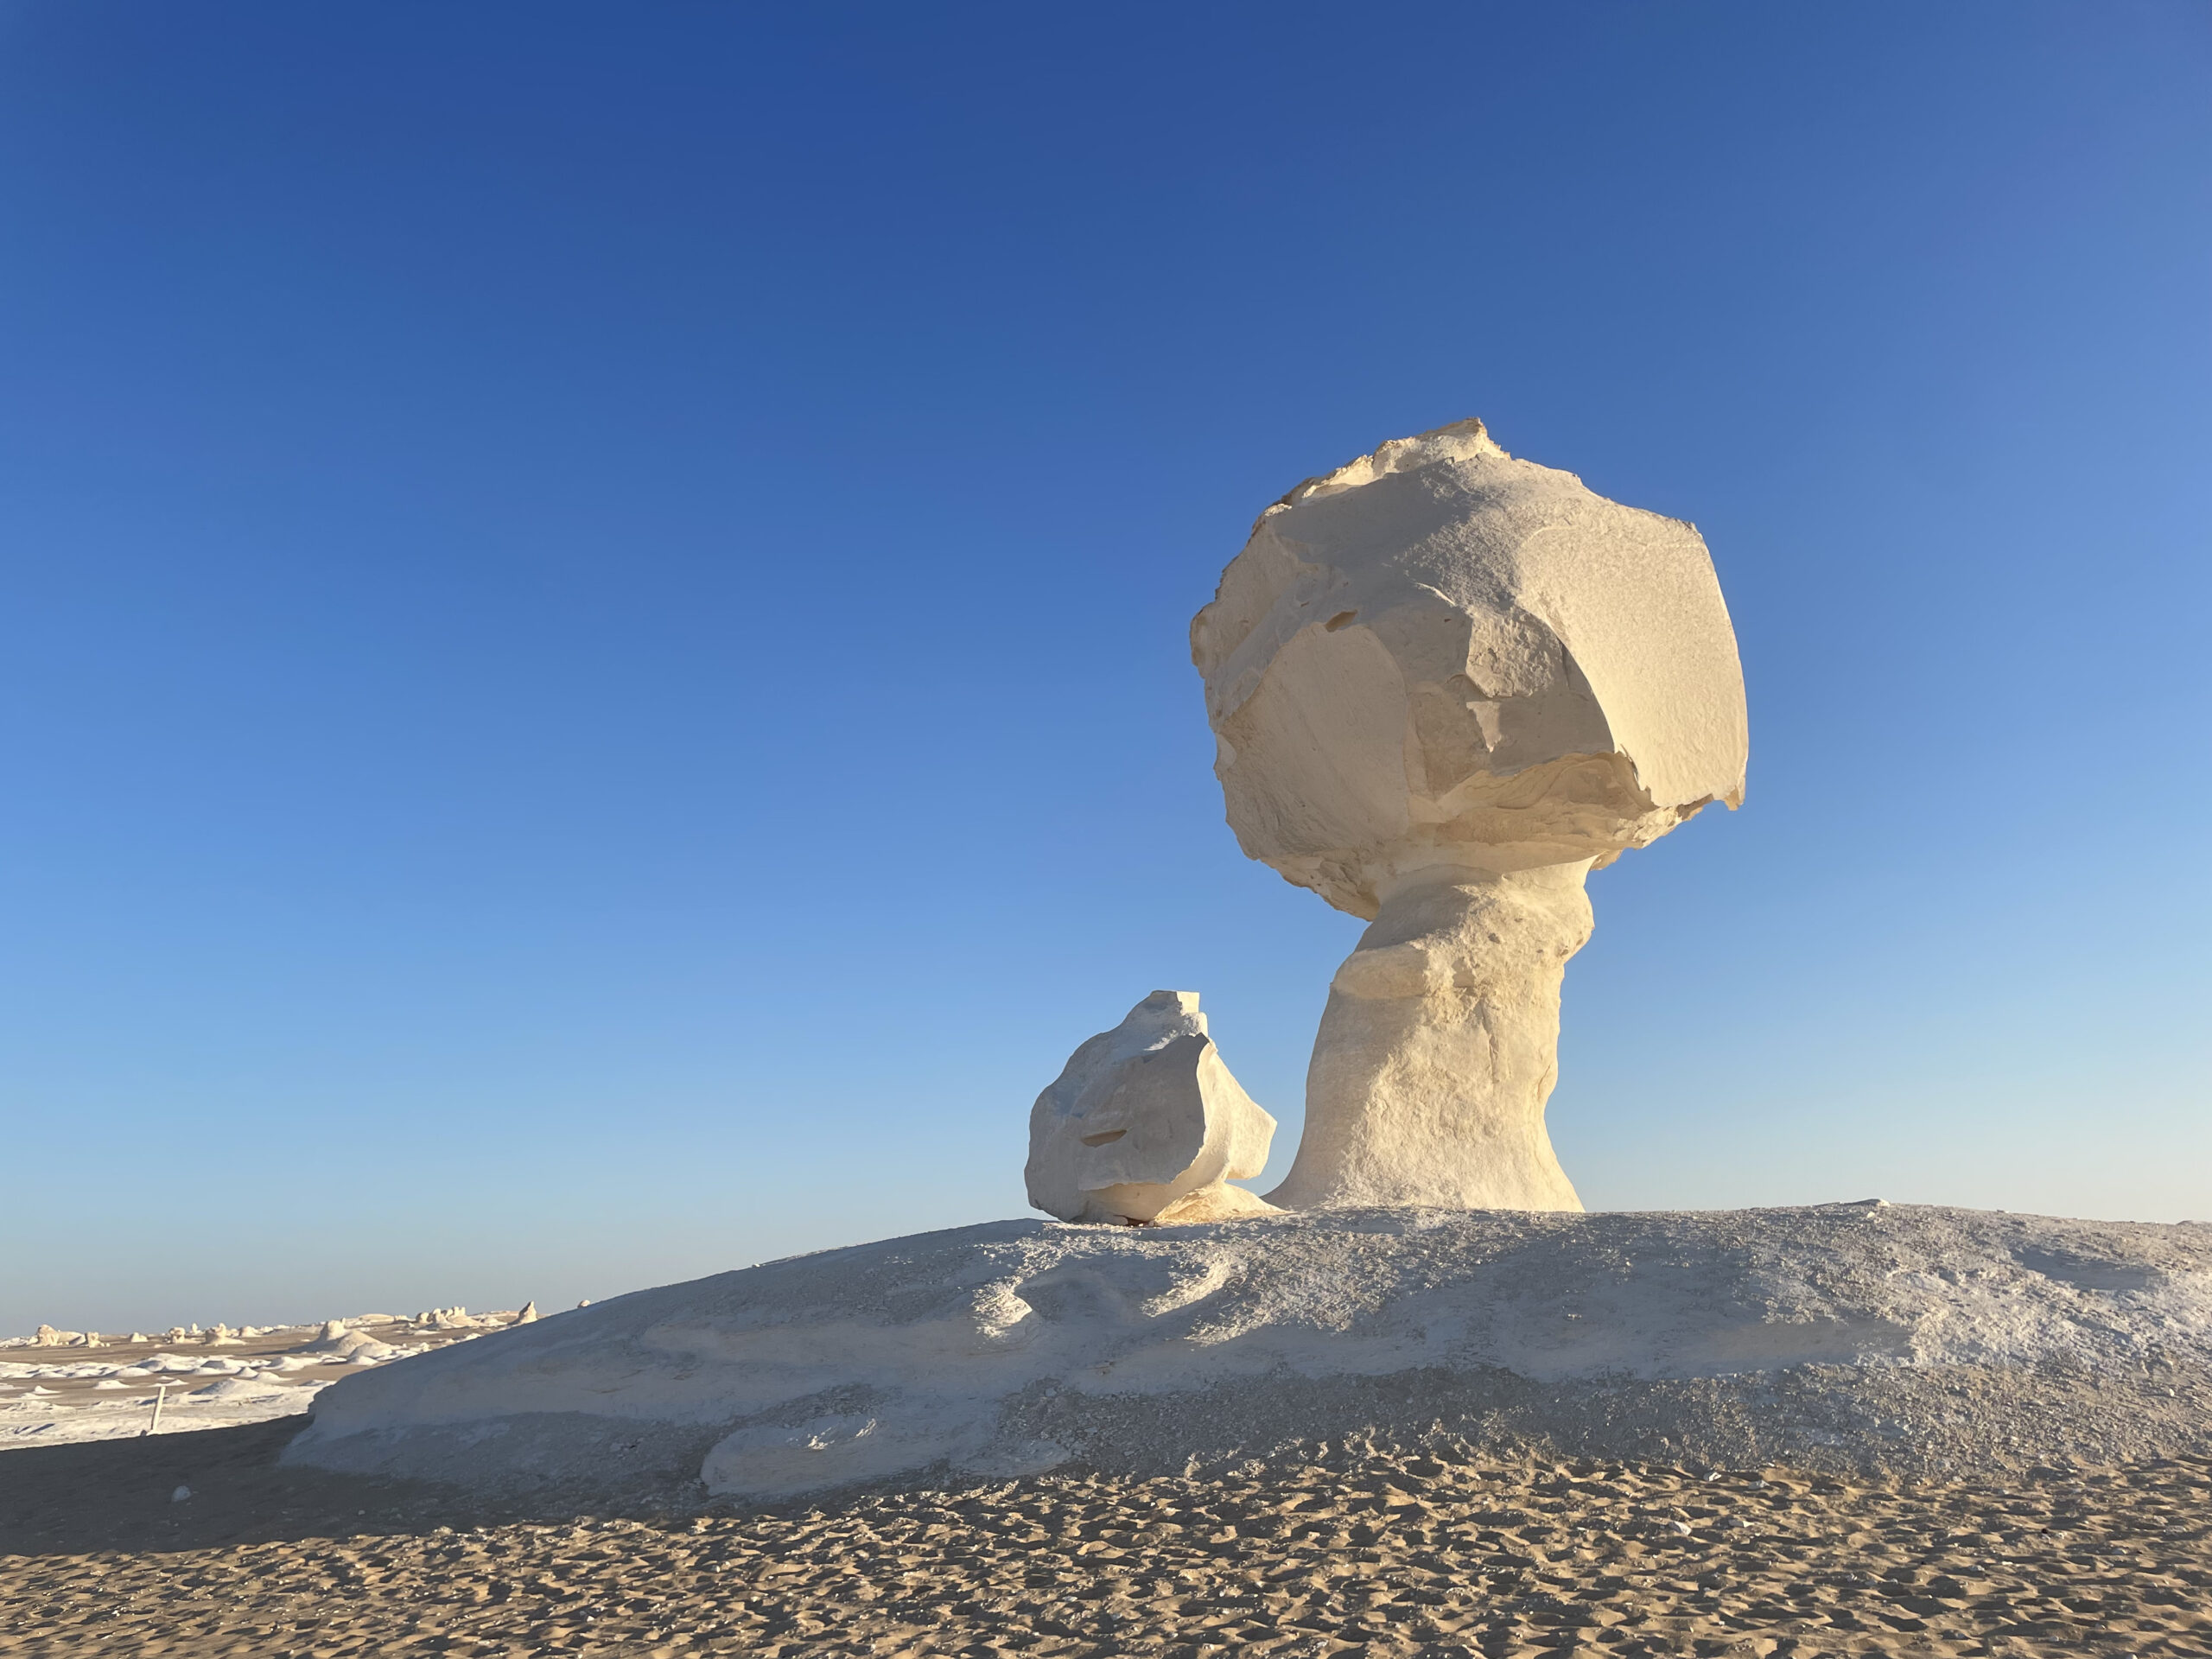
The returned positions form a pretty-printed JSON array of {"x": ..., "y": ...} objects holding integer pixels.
[
  {"x": 58, "y": 1396},
  {"x": 1347, "y": 1551}
]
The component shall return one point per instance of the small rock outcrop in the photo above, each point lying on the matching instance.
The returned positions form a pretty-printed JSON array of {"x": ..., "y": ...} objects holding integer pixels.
[{"x": 1146, "y": 1124}]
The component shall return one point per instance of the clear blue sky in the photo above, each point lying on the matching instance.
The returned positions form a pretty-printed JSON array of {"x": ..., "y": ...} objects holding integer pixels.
[{"x": 595, "y": 676}]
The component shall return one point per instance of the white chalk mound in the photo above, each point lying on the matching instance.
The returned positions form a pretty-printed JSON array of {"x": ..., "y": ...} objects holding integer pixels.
[
  {"x": 1901, "y": 1338},
  {"x": 1146, "y": 1124}
]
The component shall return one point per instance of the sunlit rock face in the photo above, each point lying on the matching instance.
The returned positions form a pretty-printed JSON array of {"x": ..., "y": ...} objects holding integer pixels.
[
  {"x": 1146, "y": 1124},
  {"x": 1445, "y": 684}
]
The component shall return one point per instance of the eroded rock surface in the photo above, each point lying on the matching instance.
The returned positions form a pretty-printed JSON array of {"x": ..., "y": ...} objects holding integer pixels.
[
  {"x": 1146, "y": 1124},
  {"x": 1445, "y": 684},
  {"x": 1906, "y": 1339}
]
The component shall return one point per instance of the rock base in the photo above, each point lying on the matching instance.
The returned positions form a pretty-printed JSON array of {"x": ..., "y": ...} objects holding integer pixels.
[{"x": 1876, "y": 1339}]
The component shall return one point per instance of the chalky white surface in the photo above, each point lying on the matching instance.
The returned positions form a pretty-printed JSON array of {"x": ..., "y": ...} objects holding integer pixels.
[
  {"x": 1443, "y": 683},
  {"x": 67, "y": 1391},
  {"x": 1885, "y": 1336},
  {"x": 1144, "y": 1123}
]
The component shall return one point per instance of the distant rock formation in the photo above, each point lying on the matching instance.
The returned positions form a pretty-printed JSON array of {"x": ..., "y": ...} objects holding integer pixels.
[
  {"x": 1146, "y": 1124},
  {"x": 340, "y": 1343}
]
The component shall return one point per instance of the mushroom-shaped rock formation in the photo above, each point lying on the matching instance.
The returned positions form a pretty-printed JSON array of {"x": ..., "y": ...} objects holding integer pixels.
[
  {"x": 1146, "y": 1124},
  {"x": 1445, "y": 684}
]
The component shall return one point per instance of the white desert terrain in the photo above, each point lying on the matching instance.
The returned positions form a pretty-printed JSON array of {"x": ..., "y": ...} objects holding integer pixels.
[
  {"x": 58, "y": 1386},
  {"x": 1869, "y": 1338}
]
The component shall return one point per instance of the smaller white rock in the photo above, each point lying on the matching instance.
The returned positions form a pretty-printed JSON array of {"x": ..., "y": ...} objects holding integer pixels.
[{"x": 1146, "y": 1124}]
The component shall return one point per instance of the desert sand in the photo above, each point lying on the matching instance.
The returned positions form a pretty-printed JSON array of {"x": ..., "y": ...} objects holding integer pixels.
[{"x": 1331, "y": 1549}]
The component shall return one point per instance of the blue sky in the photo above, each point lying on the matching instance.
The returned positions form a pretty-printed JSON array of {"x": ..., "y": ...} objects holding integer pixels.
[{"x": 595, "y": 674}]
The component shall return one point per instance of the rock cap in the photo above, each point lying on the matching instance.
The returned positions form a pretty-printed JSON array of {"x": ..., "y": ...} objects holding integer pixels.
[{"x": 1439, "y": 655}]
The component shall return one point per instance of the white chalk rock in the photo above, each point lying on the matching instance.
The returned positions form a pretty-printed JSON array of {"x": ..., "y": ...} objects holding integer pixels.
[
  {"x": 1445, "y": 685},
  {"x": 1937, "y": 1342},
  {"x": 342, "y": 1344},
  {"x": 1440, "y": 654},
  {"x": 1146, "y": 1124},
  {"x": 529, "y": 1314}
]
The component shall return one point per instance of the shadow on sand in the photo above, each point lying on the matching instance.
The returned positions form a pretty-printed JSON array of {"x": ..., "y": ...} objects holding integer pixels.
[{"x": 117, "y": 1496}]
